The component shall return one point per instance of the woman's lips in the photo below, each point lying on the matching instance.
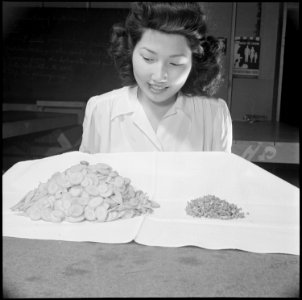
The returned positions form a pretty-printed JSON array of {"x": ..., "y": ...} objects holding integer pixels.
[{"x": 156, "y": 88}]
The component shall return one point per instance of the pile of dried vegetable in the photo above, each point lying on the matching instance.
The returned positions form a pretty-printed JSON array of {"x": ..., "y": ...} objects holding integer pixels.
[
  {"x": 211, "y": 206},
  {"x": 94, "y": 193}
]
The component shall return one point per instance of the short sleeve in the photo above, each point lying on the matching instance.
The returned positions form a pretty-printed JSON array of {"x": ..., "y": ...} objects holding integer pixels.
[
  {"x": 90, "y": 137},
  {"x": 223, "y": 130}
]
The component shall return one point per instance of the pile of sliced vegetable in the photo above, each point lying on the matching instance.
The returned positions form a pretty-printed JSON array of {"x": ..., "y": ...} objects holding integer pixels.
[{"x": 94, "y": 193}]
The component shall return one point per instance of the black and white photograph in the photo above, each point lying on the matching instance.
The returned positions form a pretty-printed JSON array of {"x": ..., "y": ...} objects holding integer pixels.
[{"x": 150, "y": 149}]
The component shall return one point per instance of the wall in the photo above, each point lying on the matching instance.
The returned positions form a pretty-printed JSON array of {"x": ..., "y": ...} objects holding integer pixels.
[
  {"x": 59, "y": 54},
  {"x": 249, "y": 95},
  {"x": 255, "y": 95}
]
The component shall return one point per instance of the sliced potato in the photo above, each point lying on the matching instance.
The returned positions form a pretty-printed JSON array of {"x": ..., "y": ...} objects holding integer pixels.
[
  {"x": 75, "y": 210},
  {"x": 89, "y": 213},
  {"x": 34, "y": 213},
  {"x": 75, "y": 178},
  {"x": 101, "y": 213}
]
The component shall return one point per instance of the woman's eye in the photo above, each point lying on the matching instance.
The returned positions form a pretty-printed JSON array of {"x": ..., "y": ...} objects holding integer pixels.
[
  {"x": 174, "y": 64},
  {"x": 148, "y": 59}
]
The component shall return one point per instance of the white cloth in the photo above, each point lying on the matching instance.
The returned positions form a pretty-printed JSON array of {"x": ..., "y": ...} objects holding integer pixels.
[
  {"x": 116, "y": 122},
  {"x": 171, "y": 179}
]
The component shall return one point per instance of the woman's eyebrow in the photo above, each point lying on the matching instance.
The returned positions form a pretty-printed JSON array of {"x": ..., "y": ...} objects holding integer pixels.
[{"x": 174, "y": 55}]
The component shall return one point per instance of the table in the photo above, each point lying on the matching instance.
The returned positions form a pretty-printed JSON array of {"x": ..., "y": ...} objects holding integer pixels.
[
  {"x": 16, "y": 123},
  {"x": 49, "y": 268}
]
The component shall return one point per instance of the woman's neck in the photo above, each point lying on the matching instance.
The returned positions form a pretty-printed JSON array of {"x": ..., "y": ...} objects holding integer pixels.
[{"x": 155, "y": 111}]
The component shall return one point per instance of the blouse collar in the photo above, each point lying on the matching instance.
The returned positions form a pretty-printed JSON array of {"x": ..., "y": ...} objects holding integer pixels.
[{"x": 128, "y": 103}]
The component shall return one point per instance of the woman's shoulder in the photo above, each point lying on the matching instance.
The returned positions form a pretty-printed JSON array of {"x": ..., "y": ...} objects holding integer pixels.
[
  {"x": 107, "y": 98},
  {"x": 207, "y": 101},
  {"x": 211, "y": 100}
]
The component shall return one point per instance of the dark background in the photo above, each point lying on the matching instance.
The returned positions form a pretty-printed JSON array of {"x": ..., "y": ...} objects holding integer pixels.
[
  {"x": 291, "y": 80},
  {"x": 59, "y": 54}
]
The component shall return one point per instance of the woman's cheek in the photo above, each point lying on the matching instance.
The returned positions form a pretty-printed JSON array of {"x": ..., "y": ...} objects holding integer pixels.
[
  {"x": 140, "y": 69},
  {"x": 180, "y": 75},
  {"x": 144, "y": 72}
]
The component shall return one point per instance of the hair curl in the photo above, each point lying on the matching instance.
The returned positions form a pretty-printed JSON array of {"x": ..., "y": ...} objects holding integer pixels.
[{"x": 184, "y": 18}]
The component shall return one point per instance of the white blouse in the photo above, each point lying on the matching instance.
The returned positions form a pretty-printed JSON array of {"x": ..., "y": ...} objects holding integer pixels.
[{"x": 116, "y": 122}]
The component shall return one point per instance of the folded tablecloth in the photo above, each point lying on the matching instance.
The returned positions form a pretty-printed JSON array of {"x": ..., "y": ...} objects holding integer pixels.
[{"x": 171, "y": 179}]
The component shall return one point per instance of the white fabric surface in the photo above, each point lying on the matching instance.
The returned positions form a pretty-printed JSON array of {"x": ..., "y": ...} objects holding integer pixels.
[{"x": 171, "y": 179}]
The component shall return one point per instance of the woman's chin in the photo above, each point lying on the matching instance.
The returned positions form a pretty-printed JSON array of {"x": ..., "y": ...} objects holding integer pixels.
[{"x": 159, "y": 96}]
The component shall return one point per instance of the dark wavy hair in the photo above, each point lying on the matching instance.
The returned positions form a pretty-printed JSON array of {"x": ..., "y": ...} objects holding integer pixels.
[{"x": 184, "y": 18}]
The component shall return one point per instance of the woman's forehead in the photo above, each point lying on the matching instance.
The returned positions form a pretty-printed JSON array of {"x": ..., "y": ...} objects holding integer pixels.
[{"x": 164, "y": 43}]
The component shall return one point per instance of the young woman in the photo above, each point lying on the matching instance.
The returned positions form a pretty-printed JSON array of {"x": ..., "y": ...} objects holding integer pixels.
[{"x": 170, "y": 70}]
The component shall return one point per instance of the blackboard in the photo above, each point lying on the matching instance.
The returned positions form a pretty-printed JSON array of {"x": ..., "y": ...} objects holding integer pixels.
[{"x": 59, "y": 54}]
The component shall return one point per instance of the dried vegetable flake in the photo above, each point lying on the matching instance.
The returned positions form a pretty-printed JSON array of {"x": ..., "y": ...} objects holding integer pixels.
[{"x": 211, "y": 206}]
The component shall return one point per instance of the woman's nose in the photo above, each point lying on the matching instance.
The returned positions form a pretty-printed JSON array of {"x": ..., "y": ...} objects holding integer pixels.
[{"x": 160, "y": 73}]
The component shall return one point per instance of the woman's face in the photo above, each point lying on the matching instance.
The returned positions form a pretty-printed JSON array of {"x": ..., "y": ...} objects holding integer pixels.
[{"x": 161, "y": 65}]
